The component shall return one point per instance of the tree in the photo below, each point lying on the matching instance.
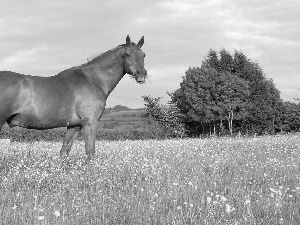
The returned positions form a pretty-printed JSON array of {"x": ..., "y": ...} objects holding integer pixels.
[
  {"x": 232, "y": 92},
  {"x": 290, "y": 119},
  {"x": 165, "y": 119},
  {"x": 212, "y": 96},
  {"x": 232, "y": 88}
]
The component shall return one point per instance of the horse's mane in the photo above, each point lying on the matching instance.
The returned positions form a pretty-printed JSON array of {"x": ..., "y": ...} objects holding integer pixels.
[{"x": 97, "y": 56}]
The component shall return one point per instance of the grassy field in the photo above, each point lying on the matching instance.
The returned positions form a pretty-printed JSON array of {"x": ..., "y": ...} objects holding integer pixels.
[{"x": 194, "y": 181}]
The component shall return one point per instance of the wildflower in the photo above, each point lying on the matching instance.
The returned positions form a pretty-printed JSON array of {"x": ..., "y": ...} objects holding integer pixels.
[
  {"x": 56, "y": 213},
  {"x": 275, "y": 191},
  {"x": 208, "y": 200},
  {"x": 229, "y": 209},
  {"x": 175, "y": 184},
  {"x": 191, "y": 205},
  {"x": 247, "y": 201},
  {"x": 14, "y": 207},
  {"x": 190, "y": 183},
  {"x": 178, "y": 207},
  {"x": 41, "y": 218},
  {"x": 223, "y": 199}
]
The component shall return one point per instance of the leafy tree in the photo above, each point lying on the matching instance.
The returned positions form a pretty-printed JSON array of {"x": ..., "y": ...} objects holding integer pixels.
[
  {"x": 232, "y": 94},
  {"x": 212, "y": 96},
  {"x": 232, "y": 88},
  {"x": 164, "y": 119},
  {"x": 290, "y": 119}
]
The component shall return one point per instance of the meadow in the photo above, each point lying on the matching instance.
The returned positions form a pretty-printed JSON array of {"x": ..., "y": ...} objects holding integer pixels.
[{"x": 190, "y": 181}]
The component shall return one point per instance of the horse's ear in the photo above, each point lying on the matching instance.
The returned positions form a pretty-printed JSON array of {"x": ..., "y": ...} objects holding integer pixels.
[
  {"x": 128, "y": 41},
  {"x": 141, "y": 42}
]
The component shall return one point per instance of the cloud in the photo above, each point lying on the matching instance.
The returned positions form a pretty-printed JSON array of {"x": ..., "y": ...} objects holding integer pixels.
[
  {"x": 23, "y": 59},
  {"x": 45, "y": 37}
]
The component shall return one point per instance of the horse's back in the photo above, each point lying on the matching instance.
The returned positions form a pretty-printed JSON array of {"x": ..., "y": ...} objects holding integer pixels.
[
  {"x": 47, "y": 102},
  {"x": 37, "y": 102}
]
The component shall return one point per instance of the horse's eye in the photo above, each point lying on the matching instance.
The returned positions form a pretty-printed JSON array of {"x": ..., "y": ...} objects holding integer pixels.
[
  {"x": 144, "y": 55},
  {"x": 127, "y": 54}
]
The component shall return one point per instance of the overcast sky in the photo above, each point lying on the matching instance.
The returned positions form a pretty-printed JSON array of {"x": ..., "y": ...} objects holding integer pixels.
[{"x": 42, "y": 38}]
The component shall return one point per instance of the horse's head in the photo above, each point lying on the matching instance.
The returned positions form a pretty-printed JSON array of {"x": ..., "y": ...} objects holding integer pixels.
[{"x": 134, "y": 60}]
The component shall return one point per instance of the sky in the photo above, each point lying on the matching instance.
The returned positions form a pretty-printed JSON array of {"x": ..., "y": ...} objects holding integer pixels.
[{"x": 42, "y": 38}]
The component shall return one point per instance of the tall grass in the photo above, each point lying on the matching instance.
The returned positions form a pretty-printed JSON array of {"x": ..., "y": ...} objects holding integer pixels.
[{"x": 194, "y": 181}]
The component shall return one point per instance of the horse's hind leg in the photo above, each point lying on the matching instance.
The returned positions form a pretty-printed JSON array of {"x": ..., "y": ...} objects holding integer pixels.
[{"x": 69, "y": 140}]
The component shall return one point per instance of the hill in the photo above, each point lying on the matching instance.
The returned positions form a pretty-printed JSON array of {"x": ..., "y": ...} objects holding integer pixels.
[
  {"x": 121, "y": 117},
  {"x": 117, "y": 108}
]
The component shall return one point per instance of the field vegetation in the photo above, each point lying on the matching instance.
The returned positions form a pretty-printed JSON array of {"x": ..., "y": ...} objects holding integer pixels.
[{"x": 191, "y": 181}]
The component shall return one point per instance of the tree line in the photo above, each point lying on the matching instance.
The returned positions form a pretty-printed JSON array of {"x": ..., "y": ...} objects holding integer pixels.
[{"x": 227, "y": 94}]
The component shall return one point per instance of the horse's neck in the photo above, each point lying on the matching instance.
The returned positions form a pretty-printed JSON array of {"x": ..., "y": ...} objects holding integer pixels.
[{"x": 106, "y": 72}]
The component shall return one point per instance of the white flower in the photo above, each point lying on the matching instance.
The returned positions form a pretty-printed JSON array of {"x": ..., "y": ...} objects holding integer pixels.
[
  {"x": 56, "y": 213},
  {"x": 208, "y": 199},
  {"x": 275, "y": 191},
  {"x": 247, "y": 201},
  {"x": 41, "y": 218},
  {"x": 223, "y": 199},
  {"x": 229, "y": 209}
]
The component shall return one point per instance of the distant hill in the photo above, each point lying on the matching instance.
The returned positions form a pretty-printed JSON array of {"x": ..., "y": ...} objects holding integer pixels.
[
  {"x": 121, "y": 117},
  {"x": 117, "y": 108}
]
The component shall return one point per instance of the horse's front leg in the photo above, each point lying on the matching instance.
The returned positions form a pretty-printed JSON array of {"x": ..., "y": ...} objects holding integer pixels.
[
  {"x": 89, "y": 133},
  {"x": 69, "y": 140}
]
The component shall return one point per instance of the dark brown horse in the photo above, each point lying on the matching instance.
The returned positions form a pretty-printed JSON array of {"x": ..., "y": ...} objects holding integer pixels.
[{"x": 74, "y": 98}]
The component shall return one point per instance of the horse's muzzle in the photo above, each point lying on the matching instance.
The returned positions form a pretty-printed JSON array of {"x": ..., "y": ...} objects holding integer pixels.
[
  {"x": 140, "y": 80},
  {"x": 140, "y": 77}
]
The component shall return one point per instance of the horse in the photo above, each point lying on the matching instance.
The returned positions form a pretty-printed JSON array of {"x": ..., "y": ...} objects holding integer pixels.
[{"x": 74, "y": 98}]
